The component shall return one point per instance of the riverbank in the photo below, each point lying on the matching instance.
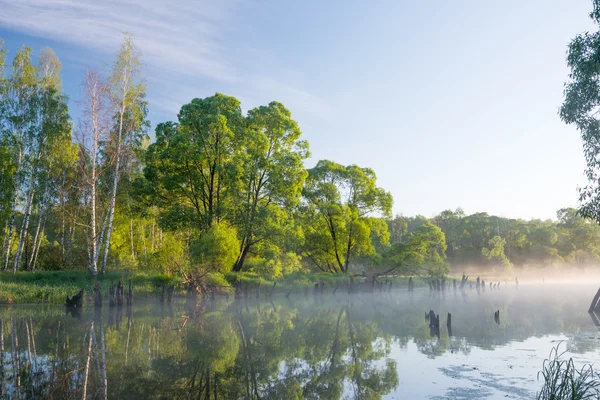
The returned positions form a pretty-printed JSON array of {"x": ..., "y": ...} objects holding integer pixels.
[{"x": 53, "y": 287}]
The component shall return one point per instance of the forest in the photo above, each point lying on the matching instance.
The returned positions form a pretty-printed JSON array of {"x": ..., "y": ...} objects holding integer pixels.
[{"x": 218, "y": 190}]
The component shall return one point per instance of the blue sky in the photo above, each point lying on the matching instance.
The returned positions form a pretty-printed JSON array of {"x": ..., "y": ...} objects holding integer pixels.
[{"x": 453, "y": 104}]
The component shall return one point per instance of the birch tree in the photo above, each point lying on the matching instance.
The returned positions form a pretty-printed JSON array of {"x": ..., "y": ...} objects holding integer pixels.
[
  {"x": 127, "y": 91},
  {"x": 18, "y": 105},
  {"x": 50, "y": 123},
  {"x": 92, "y": 136}
]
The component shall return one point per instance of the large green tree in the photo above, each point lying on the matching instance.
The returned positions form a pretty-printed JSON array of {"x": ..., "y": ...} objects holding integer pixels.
[
  {"x": 342, "y": 204},
  {"x": 581, "y": 105},
  {"x": 272, "y": 173}
]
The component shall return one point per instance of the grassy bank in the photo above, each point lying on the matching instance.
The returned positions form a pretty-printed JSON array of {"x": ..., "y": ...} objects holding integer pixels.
[{"x": 53, "y": 287}]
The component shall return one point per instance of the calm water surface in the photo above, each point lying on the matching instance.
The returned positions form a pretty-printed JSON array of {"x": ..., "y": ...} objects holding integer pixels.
[{"x": 327, "y": 347}]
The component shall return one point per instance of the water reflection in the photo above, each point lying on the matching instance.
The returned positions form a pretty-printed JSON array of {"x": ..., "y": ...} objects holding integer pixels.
[{"x": 319, "y": 347}]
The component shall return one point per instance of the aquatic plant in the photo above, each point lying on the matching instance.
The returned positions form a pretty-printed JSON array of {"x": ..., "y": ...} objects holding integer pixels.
[{"x": 563, "y": 381}]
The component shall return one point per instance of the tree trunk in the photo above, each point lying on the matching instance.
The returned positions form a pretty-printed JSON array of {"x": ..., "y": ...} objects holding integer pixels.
[
  {"x": 34, "y": 247},
  {"x": 111, "y": 209},
  {"x": 240, "y": 261},
  {"x": 24, "y": 229},
  {"x": 13, "y": 213},
  {"x": 131, "y": 238},
  {"x": 37, "y": 252}
]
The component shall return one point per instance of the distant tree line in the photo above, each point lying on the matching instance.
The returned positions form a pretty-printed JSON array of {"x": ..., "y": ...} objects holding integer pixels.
[{"x": 217, "y": 190}]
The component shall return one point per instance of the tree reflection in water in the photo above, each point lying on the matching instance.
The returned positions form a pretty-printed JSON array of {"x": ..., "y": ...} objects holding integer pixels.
[{"x": 329, "y": 348}]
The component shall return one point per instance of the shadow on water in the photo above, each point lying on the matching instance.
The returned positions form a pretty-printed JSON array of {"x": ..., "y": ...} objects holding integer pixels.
[{"x": 293, "y": 347}]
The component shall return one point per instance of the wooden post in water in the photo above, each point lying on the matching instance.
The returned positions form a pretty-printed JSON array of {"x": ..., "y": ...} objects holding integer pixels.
[
  {"x": 120, "y": 294},
  {"x": 130, "y": 294},
  {"x": 595, "y": 302},
  {"x": 98, "y": 298},
  {"x": 449, "y": 324},
  {"x": 170, "y": 294},
  {"x": 112, "y": 301}
]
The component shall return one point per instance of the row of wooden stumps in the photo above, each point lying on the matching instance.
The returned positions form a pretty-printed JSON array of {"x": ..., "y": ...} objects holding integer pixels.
[
  {"x": 245, "y": 291},
  {"x": 248, "y": 291},
  {"x": 441, "y": 285},
  {"x": 167, "y": 293},
  {"x": 434, "y": 322},
  {"x": 116, "y": 295}
]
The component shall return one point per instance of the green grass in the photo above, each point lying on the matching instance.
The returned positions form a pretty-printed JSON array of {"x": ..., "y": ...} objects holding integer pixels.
[
  {"x": 562, "y": 381},
  {"x": 54, "y": 287}
]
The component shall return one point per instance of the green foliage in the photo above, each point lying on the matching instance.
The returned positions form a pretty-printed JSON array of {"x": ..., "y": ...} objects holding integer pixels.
[
  {"x": 423, "y": 252},
  {"x": 340, "y": 203},
  {"x": 581, "y": 100},
  {"x": 217, "y": 248},
  {"x": 495, "y": 250}
]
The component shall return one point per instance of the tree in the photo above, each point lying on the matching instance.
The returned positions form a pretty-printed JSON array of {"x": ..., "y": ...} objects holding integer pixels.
[
  {"x": 19, "y": 126},
  {"x": 340, "y": 203},
  {"x": 495, "y": 250},
  {"x": 217, "y": 248},
  {"x": 128, "y": 98},
  {"x": 190, "y": 166},
  {"x": 92, "y": 136},
  {"x": 424, "y": 251},
  {"x": 581, "y": 105},
  {"x": 38, "y": 118},
  {"x": 272, "y": 175}
]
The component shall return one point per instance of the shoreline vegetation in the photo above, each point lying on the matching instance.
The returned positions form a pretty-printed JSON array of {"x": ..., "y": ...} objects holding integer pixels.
[{"x": 53, "y": 287}]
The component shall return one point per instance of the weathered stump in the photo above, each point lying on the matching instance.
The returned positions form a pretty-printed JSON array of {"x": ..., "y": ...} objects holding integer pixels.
[
  {"x": 120, "y": 294},
  {"x": 595, "y": 306},
  {"x": 76, "y": 301},
  {"x": 112, "y": 295},
  {"x": 98, "y": 297},
  {"x": 336, "y": 288},
  {"x": 172, "y": 289},
  {"x": 130, "y": 294}
]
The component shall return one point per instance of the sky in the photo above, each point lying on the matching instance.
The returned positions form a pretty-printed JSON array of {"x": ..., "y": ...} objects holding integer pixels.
[{"x": 453, "y": 104}]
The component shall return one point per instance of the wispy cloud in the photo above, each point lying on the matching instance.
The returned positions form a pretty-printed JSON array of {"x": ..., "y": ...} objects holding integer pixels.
[{"x": 183, "y": 42}]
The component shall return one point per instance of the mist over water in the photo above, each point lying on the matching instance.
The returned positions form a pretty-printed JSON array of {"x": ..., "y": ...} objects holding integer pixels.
[{"x": 376, "y": 345}]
